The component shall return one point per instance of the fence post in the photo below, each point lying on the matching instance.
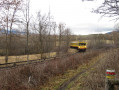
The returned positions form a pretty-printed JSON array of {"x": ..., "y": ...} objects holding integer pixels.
[{"x": 110, "y": 75}]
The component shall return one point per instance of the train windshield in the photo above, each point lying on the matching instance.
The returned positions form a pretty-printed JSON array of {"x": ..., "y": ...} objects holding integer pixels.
[{"x": 82, "y": 44}]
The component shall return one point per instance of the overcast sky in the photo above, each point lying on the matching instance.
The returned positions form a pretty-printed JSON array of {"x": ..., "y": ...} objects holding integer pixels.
[{"x": 75, "y": 14}]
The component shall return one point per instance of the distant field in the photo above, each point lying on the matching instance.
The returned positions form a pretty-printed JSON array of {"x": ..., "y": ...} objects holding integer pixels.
[
  {"x": 38, "y": 56},
  {"x": 31, "y": 57},
  {"x": 24, "y": 57}
]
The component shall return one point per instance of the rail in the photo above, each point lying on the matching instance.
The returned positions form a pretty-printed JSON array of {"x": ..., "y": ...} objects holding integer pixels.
[{"x": 19, "y": 63}]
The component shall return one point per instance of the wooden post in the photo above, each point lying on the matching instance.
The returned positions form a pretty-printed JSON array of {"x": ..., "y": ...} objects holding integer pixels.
[
  {"x": 108, "y": 85},
  {"x": 110, "y": 75}
]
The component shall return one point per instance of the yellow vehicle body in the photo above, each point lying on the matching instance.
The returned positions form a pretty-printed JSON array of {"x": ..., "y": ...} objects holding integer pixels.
[{"x": 81, "y": 46}]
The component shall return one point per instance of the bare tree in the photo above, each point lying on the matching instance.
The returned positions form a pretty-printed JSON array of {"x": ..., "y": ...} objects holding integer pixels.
[
  {"x": 115, "y": 34},
  {"x": 67, "y": 38},
  {"x": 54, "y": 29},
  {"x": 109, "y": 8},
  {"x": 41, "y": 27},
  {"x": 61, "y": 32},
  {"x": 8, "y": 17},
  {"x": 116, "y": 27},
  {"x": 26, "y": 21},
  {"x": 51, "y": 29}
]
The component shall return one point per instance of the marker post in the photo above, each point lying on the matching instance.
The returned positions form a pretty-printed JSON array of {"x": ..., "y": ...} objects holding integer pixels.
[{"x": 110, "y": 77}]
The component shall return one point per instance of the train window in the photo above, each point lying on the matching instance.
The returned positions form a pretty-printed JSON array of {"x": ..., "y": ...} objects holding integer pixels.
[{"x": 82, "y": 44}]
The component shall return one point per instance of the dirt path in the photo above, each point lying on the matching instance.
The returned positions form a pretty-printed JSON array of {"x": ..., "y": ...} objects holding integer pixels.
[{"x": 64, "y": 85}]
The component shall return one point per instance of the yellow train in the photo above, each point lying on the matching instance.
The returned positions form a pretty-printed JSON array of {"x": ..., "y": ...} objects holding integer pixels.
[{"x": 81, "y": 46}]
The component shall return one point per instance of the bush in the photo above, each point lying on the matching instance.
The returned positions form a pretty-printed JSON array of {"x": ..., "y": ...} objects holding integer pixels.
[
  {"x": 29, "y": 76},
  {"x": 96, "y": 78}
]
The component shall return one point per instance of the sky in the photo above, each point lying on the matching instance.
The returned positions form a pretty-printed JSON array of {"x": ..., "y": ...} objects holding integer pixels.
[{"x": 75, "y": 14}]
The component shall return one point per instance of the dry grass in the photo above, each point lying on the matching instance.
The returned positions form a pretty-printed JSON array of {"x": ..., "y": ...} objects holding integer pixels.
[
  {"x": 24, "y": 57},
  {"x": 40, "y": 73},
  {"x": 95, "y": 78}
]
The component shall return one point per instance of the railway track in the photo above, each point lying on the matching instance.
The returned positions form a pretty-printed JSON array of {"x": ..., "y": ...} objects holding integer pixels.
[
  {"x": 64, "y": 85},
  {"x": 16, "y": 64}
]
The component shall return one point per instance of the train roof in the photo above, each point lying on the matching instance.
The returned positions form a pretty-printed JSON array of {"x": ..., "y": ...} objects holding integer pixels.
[{"x": 77, "y": 42}]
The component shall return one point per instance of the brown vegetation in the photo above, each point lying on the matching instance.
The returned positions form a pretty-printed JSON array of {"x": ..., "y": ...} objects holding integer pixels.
[
  {"x": 22, "y": 35},
  {"x": 95, "y": 79},
  {"x": 37, "y": 35},
  {"x": 30, "y": 76}
]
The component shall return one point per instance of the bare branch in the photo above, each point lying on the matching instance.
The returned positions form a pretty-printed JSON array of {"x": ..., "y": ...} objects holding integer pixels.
[{"x": 110, "y": 8}]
